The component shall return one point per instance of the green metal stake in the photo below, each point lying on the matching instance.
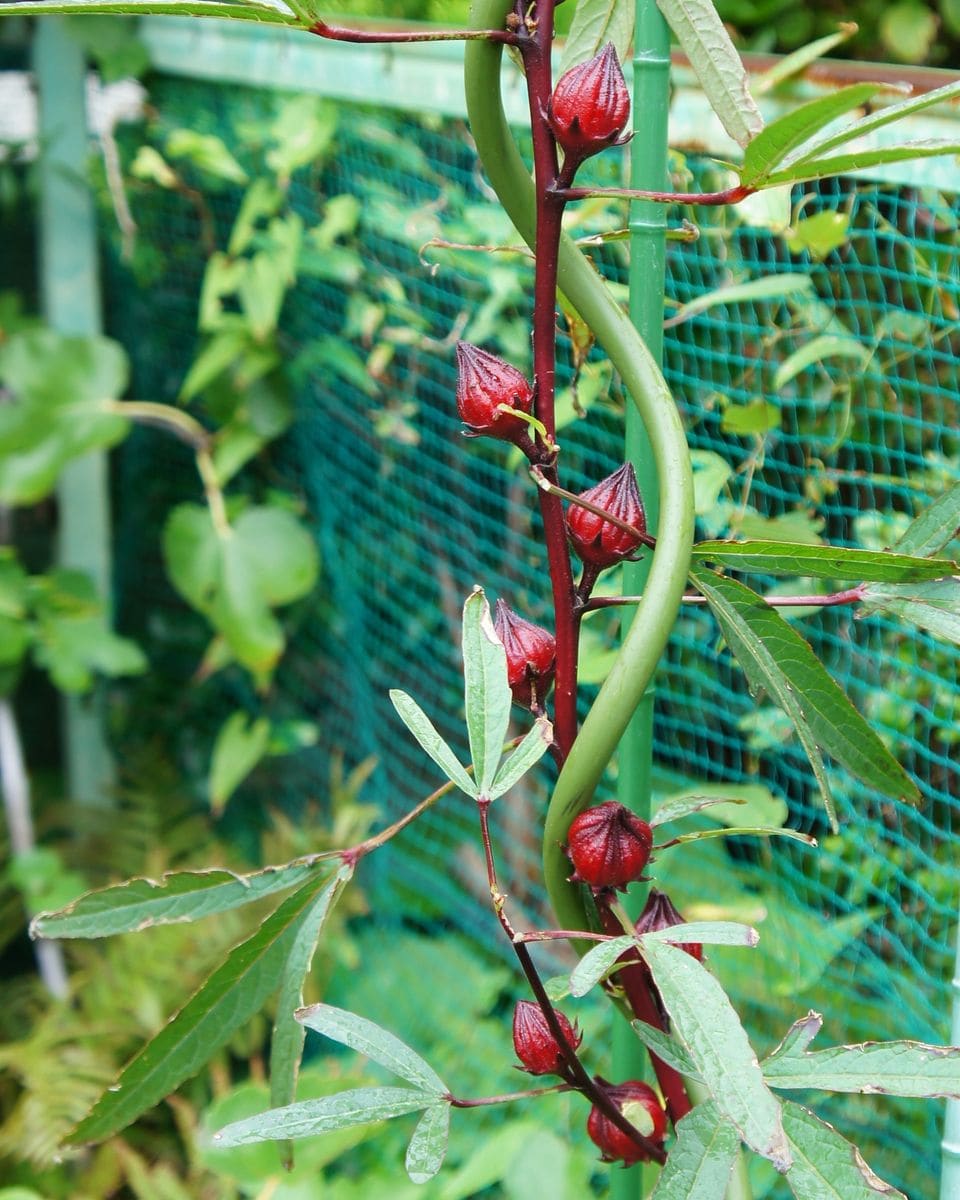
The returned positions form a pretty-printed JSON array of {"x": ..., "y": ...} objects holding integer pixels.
[
  {"x": 71, "y": 302},
  {"x": 648, "y": 170}
]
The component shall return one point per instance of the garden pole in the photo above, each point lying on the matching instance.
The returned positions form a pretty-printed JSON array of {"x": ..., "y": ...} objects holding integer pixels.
[
  {"x": 648, "y": 170},
  {"x": 950, "y": 1146},
  {"x": 71, "y": 304}
]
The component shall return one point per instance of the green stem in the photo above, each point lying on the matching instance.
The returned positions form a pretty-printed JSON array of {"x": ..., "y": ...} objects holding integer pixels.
[{"x": 645, "y": 643}]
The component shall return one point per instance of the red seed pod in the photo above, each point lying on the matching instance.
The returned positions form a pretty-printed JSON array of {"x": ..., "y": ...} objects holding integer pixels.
[
  {"x": 639, "y": 1104},
  {"x": 531, "y": 656},
  {"x": 597, "y": 541},
  {"x": 484, "y": 384},
  {"x": 660, "y": 913},
  {"x": 590, "y": 105},
  {"x": 609, "y": 846},
  {"x": 536, "y": 1047}
]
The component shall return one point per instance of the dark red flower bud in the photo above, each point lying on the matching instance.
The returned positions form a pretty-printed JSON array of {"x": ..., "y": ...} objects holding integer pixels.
[
  {"x": 609, "y": 846},
  {"x": 485, "y": 384},
  {"x": 536, "y": 1047},
  {"x": 590, "y": 105},
  {"x": 639, "y": 1104},
  {"x": 597, "y": 541},
  {"x": 531, "y": 655},
  {"x": 660, "y": 913}
]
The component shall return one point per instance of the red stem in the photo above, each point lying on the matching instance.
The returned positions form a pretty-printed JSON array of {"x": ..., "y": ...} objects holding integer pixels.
[
  {"x": 536, "y": 56},
  {"x": 574, "y": 1071}
]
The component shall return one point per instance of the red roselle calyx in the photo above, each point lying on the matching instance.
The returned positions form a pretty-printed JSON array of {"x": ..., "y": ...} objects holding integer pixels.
[
  {"x": 486, "y": 385},
  {"x": 531, "y": 656},
  {"x": 609, "y": 846},
  {"x": 660, "y": 913},
  {"x": 639, "y": 1104},
  {"x": 597, "y": 542},
  {"x": 536, "y": 1047},
  {"x": 590, "y": 105}
]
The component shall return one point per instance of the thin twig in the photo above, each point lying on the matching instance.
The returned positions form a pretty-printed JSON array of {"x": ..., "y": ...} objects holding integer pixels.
[
  {"x": 731, "y": 195},
  {"x": 340, "y": 33}
]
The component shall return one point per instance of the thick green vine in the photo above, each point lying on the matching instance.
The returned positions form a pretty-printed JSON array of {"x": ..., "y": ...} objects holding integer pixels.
[{"x": 655, "y": 615}]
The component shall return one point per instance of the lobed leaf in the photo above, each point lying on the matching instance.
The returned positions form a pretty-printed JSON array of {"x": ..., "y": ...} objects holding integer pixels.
[
  {"x": 240, "y": 744},
  {"x": 374, "y": 1043},
  {"x": 422, "y": 728},
  {"x": 227, "y": 1000},
  {"x": 526, "y": 755},
  {"x": 821, "y": 562},
  {"x": 797, "y": 127},
  {"x": 428, "y": 1146},
  {"x": 487, "y": 697},
  {"x": 246, "y": 11},
  {"x": 933, "y": 606},
  {"x": 716, "y": 64},
  {"x": 178, "y": 896},
  {"x": 667, "y": 1049},
  {"x": 776, "y": 658},
  {"x": 700, "y": 1163},
  {"x": 597, "y": 962},
  {"x": 360, "y": 1106},
  {"x": 935, "y": 528},
  {"x": 286, "y": 1044},
  {"x": 911, "y": 1069},
  {"x": 825, "y": 1165},
  {"x": 703, "y": 1019}
]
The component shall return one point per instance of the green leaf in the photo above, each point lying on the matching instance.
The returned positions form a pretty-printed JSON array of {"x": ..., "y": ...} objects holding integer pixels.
[
  {"x": 428, "y": 1146},
  {"x": 796, "y": 127},
  {"x": 374, "y": 1043},
  {"x": 230, "y": 997},
  {"x": 527, "y": 754},
  {"x": 487, "y": 697},
  {"x": 707, "y": 933},
  {"x": 286, "y": 1044},
  {"x": 932, "y": 606},
  {"x": 730, "y": 803},
  {"x": 61, "y": 387},
  {"x": 72, "y": 648},
  {"x": 207, "y": 153},
  {"x": 825, "y": 1165},
  {"x": 910, "y": 1069},
  {"x": 597, "y": 962},
  {"x": 246, "y": 11},
  {"x": 360, "y": 1106},
  {"x": 710, "y": 475},
  {"x": 821, "y": 562},
  {"x": 177, "y": 896},
  {"x": 877, "y": 120},
  {"x": 235, "y": 577},
  {"x": 799, "y": 60},
  {"x": 771, "y": 287},
  {"x": 776, "y": 658},
  {"x": 819, "y": 235},
  {"x": 935, "y": 528},
  {"x": 745, "y": 831},
  {"x": 595, "y": 23},
  {"x": 860, "y": 160},
  {"x": 240, "y": 745},
  {"x": 908, "y": 30},
  {"x": 700, "y": 1163},
  {"x": 422, "y": 728},
  {"x": 261, "y": 294},
  {"x": 716, "y": 64},
  {"x": 828, "y": 345},
  {"x": 703, "y": 1019},
  {"x": 757, "y": 417},
  {"x": 667, "y": 1049}
]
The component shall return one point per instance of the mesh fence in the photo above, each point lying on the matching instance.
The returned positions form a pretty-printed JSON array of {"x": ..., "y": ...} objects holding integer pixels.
[{"x": 408, "y": 517}]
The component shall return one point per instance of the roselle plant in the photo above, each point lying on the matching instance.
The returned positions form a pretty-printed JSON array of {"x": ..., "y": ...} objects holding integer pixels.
[{"x": 713, "y": 1096}]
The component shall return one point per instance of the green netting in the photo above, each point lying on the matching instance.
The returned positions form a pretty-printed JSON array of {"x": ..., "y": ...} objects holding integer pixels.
[{"x": 408, "y": 517}]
